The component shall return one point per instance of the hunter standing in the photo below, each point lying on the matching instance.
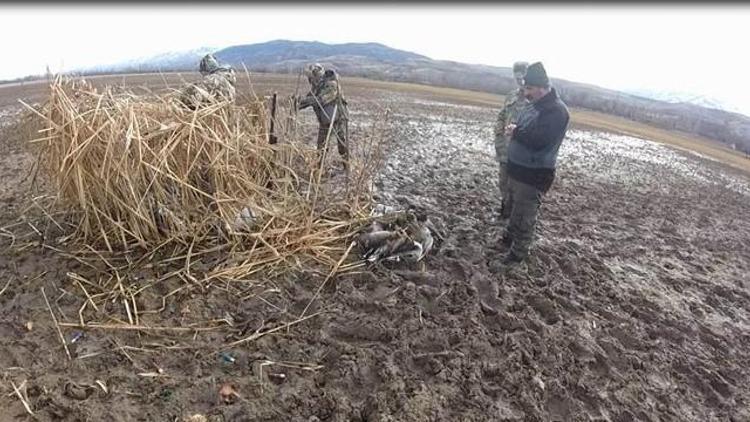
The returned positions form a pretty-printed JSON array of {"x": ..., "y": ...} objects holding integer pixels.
[
  {"x": 535, "y": 140},
  {"x": 330, "y": 108},
  {"x": 514, "y": 103}
]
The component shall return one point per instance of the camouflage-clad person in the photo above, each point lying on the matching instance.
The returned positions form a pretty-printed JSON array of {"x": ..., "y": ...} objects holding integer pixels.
[
  {"x": 218, "y": 84},
  {"x": 514, "y": 103},
  {"x": 327, "y": 100}
]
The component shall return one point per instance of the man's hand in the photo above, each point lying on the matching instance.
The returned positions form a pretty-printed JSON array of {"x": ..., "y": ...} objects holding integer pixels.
[{"x": 509, "y": 129}]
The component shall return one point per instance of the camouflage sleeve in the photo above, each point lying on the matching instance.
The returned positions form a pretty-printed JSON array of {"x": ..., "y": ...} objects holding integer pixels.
[
  {"x": 306, "y": 101},
  {"x": 328, "y": 93},
  {"x": 502, "y": 117},
  {"x": 516, "y": 109}
]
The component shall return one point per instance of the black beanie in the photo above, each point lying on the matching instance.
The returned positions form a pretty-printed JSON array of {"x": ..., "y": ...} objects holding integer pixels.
[{"x": 536, "y": 75}]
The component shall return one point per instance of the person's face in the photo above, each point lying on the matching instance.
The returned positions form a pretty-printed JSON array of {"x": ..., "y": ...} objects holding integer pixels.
[
  {"x": 519, "y": 78},
  {"x": 533, "y": 93}
]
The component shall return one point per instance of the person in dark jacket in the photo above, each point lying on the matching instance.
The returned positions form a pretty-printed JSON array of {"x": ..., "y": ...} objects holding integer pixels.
[{"x": 532, "y": 157}]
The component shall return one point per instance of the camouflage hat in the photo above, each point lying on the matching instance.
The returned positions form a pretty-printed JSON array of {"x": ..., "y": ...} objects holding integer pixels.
[
  {"x": 536, "y": 76},
  {"x": 315, "y": 69},
  {"x": 209, "y": 64},
  {"x": 519, "y": 69}
]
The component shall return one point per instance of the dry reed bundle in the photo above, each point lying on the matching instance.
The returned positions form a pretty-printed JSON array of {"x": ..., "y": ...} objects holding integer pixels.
[{"x": 144, "y": 173}]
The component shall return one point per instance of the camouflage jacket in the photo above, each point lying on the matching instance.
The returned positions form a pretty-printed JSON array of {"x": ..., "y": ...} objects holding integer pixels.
[
  {"x": 324, "y": 97},
  {"x": 216, "y": 86},
  {"x": 221, "y": 84},
  {"x": 514, "y": 103}
]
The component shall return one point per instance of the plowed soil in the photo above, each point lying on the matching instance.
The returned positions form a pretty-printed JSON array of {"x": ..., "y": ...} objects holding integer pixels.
[{"x": 634, "y": 306}]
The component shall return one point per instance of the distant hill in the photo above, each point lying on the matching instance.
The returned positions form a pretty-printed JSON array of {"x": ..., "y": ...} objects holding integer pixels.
[
  {"x": 178, "y": 60},
  {"x": 378, "y": 61},
  {"x": 279, "y": 51},
  {"x": 676, "y": 97}
]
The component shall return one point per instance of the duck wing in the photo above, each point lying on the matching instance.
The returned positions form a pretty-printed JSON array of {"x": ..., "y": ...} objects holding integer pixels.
[
  {"x": 374, "y": 239},
  {"x": 427, "y": 242},
  {"x": 390, "y": 249},
  {"x": 411, "y": 254}
]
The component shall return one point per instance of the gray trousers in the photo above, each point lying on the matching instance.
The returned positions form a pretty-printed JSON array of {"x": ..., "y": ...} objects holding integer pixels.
[
  {"x": 521, "y": 227},
  {"x": 501, "y": 155}
]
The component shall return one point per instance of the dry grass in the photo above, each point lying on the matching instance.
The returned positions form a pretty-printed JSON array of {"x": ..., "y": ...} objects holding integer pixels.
[
  {"x": 144, "y": 176},
  {"x": 467, "y": 97}
]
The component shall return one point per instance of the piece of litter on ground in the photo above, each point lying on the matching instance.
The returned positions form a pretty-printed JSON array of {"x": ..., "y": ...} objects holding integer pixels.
[
  {"x": 538, "y": 382},
  {"x": 227, "y": 393},
  {"x": 226, "y": 357},
  {"x": 77, "y": 335},
  {"x": 102, "y": 386},
  {"x": 150, "y": 374},
  {"x": 277, "y": 378}
]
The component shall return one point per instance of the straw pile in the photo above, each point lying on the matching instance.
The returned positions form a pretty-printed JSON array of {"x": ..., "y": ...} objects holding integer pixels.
[{"x": 143, "y": 173}]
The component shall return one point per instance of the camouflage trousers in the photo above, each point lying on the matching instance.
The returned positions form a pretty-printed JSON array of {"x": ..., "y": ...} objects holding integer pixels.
[
  {"x": 501, "y": 155},
  {"x": 340, "y": 132},
  {"x": 521, "y": 227}
]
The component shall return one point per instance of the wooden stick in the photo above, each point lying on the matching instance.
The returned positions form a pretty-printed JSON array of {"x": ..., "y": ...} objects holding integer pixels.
[
  {"x": 23, "y": 400},
  {"x": 333, "y": 271},
  {"x": 445, "y": 354},
  {"x": 85, "y": 292},
  {"x": 57, "y": 326},
  {"x": 258, "y": 335},
  {"x": 6, "y": 285},
  {"x": 130, "y": 327}
]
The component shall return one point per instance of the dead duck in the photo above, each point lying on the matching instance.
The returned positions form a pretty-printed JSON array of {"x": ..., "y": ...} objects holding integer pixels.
[{"x": 398, "y": 237}]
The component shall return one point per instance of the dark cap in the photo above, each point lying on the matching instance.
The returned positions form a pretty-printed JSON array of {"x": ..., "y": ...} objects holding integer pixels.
[{"x": 536, "y": 75}]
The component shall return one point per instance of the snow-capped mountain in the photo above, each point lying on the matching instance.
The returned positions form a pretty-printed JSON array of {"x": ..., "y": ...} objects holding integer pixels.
[
  {"x": 676, "y": 97},
  {"x": 169, "y": 61}
]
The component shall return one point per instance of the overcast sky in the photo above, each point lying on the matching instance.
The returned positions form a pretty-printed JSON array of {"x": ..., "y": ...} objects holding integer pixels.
[{"x": 701, "y": 49}]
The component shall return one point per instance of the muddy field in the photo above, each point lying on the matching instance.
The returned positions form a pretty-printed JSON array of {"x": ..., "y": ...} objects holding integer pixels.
[{"x": 635, "y": 305}]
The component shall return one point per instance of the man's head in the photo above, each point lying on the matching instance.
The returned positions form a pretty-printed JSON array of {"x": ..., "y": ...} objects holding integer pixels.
[
  {"x": 315, "y": 73},
  {"x": 209, "y": 64},
  {"x": 535, "y": 82},
  {"x": 519, "y": 71}
]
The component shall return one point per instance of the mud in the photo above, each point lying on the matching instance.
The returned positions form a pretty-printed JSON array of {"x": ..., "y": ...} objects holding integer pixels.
[{"x": 634, "y": 306}]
